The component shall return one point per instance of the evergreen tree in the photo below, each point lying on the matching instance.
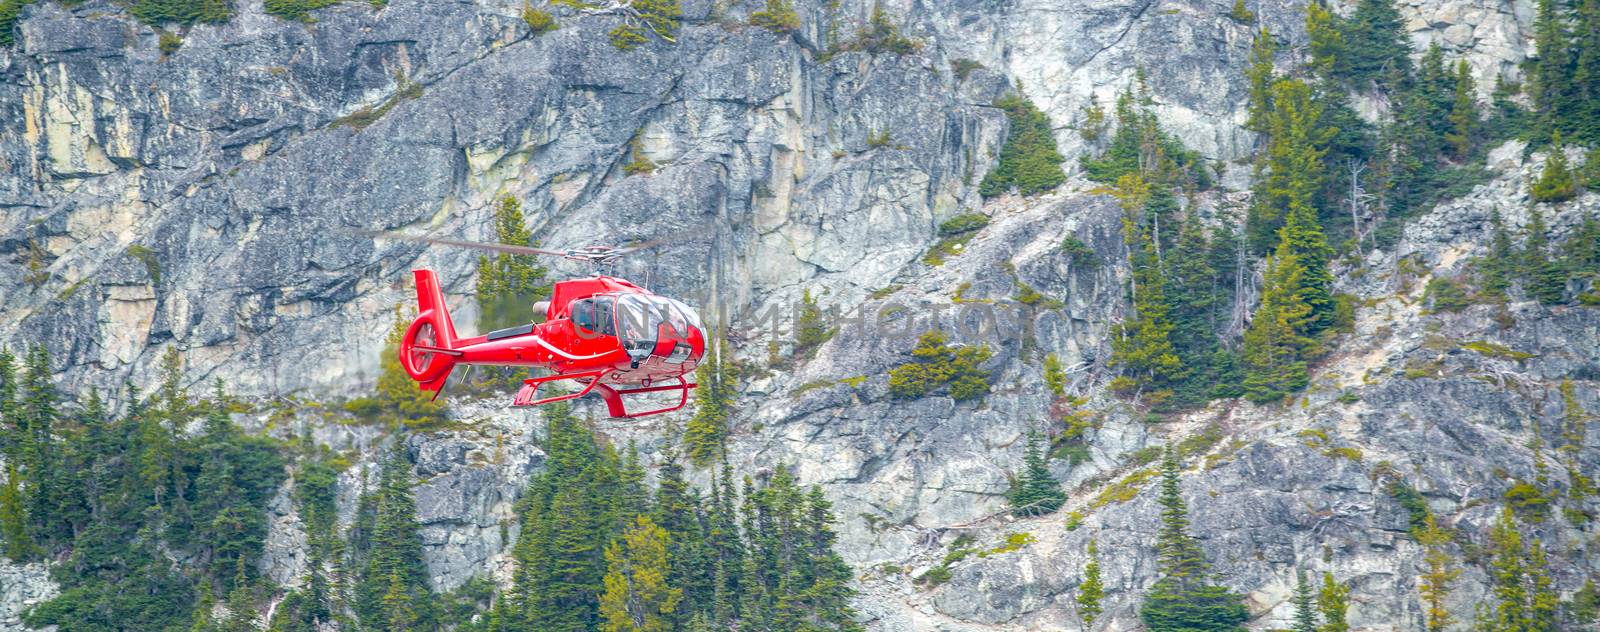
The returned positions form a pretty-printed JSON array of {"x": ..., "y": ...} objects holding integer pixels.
[
  {"x": 717, "y": 386},
  {"x": 1556, "y": 182},
  {"x": 1183, "y": 599},
  {"x": 1193, "y": 292},
  {"x": 1550, "y": 85},
  {"x": 1036, "y": 492},
  {"x": 1305, "y": 615},
  {"x": 202, "y": 610},
  {"x": 508, "y": 284},
  {"x": 1463, "y": 113},
  {"x": 11, "y": 428},
  {"x": 397, "y": 398},
  {"x": 1143, "y": 346},
  {"x": 1500, "y": 266},
  {"x": 241, "y": 602},
  {"x": 678, "y": 512},
  {"x": 1029, "y": 163},
  {"x": 1586, "y": 76},
  {"x": 1542, "y": 274},
  {"x": 1520, "y": 581},
  {"x": 1441, "y": 573},
  {"x": 1377, "y": 44},
  {"x": 393, "y": 584},
  {"x": 14, "y": 517},
  {"x": 1333, "y": 601},
  {"x": 638, "y": 596},
  {"x": 1091, "y": 592},
  {"x": 1328, "y": 60},
  {"x": 1260, "y": 76},
  {"x": 1275, "y": 345}
]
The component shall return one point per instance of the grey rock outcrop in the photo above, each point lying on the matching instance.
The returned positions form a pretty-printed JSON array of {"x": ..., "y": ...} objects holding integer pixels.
[{"x": 210, "y": 199}]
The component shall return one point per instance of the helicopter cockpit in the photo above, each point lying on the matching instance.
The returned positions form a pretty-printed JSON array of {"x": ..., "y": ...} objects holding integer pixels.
[{"x": 646, "y": 324}]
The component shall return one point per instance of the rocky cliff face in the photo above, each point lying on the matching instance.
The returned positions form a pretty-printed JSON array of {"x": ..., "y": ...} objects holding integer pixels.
[{"x": 209, "y": 200}]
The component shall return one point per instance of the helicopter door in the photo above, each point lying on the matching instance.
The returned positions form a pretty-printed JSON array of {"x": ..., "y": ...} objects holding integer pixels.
[{"x": 594, "y": 316}]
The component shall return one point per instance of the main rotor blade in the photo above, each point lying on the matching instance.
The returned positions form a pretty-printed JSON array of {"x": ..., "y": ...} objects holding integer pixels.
[
  {"x": 490, "y": 246},
  {"x": 659, "y": 241}
]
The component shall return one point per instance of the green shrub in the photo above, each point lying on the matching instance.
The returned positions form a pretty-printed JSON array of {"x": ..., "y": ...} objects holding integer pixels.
[
  {"x": 778, "y": 17},
  {"x": 181, "y": 11},
  {"x": 1446, "y": 295},
  {"x": 363, "y": 117},
  {"x": 1528, "y": 501},
  {"x": 1029, "y": 163},
  {"x": 1241, "y": 13},
  {"x": 936, "y": 364},
  {"x": 962, "y": 68},
  {"x": 659, "y": 16},
  {"x": 1410, "y": 500},
  {"x": 152, "y": 265},
  {"x": 961, "y": 224},
  {"x": 637, "y": 161},
  {"x": 935, "y": 576},
  {"x": 296, "y": 10},
  {"x": 538, "y": 20},
  {"x": 1079, "y": 253},
  {"x": 810, "y": 331},
  {"x": 878, "y": 139},
  {"x": 170, "y": 43},
  {"x": 882, "y": 36}
]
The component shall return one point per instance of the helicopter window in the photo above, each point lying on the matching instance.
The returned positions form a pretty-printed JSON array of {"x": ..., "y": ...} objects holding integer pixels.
[
  {"x": 605, "y": 321},
  {"x": 595, "y": 315},
  {"x": 582, "y": 314}
]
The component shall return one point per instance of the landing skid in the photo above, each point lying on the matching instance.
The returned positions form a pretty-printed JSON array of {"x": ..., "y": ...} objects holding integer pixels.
[{"x": 527, "y": 395}]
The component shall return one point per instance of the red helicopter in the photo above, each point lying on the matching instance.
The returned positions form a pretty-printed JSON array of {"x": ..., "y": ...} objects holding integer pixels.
[{"x": 605, "y": 333}]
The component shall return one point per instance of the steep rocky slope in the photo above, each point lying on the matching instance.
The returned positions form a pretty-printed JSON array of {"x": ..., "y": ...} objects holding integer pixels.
[{"x": 208, "y": 200}]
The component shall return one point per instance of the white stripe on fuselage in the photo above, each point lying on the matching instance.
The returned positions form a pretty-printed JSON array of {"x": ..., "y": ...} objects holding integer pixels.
[{"x": 569, "y": 356}]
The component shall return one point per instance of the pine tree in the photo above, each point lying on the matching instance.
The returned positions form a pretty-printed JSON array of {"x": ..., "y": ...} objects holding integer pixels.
[
  {"x": 1439, "y": 576},
  {"x": 1463, "y": 113},
  {"x": 677, "y": 512},
  {"x": 11, "y": 425},
  {"x": 1377, "y": 44},
  {"x": 14, "y": 517},
  {"x": 1586, "y": 75},
  {"x": 1500, "y": 265},
  {"x": 1260, "y": 76},
  {"x": 1091, "y": 592},
  {"x": 1508, "y": 573},
  {"x": 1183, "y": 599},
  {"x": 1029, "y": 163},
  {"x": 241, "y": 602},
  {"x": 1556, "y": 183},
  {"x": 638, "y": 596},
  {"x": 1036, "y": 492},
  {"x": 1550, "y": 84},
  {"x": 1327, "y": 44},
  {"x": 1178, "y": 555},
  {"x": 1333, "y": 601},
  {"x": 1274, "y": 345},
  {"x": 508, "y": 284},
  {"x": 1142, "y": 348},
  {"x": 393, "y": 568},
  {"x": 717, "y": 386},
  {"x": 1542, "y": 276},
  {"x": 1193, "y": 294},
  {"x": 38, "y": 418},
  {"x": 1305, "y": 615}
]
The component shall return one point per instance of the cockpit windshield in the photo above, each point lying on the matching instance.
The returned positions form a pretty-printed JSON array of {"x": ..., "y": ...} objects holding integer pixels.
[{"x": 644, "y": 320}]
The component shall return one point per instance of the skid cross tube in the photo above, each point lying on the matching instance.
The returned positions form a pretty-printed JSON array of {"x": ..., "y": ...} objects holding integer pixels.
[{"x": 530, "y": 387}]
